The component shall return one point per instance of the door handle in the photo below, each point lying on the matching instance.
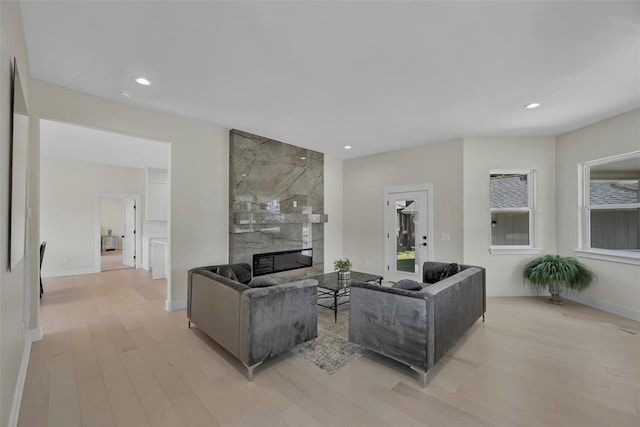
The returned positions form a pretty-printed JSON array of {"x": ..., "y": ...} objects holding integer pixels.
[{"x": 424, "y": 244}]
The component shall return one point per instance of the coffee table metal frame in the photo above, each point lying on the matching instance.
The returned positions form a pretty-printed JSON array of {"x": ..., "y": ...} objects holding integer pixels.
[{"x": 330, "y": 288}]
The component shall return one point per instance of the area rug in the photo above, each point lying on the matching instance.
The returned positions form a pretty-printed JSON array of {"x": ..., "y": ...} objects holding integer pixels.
[{"x": 331, "y": 350}]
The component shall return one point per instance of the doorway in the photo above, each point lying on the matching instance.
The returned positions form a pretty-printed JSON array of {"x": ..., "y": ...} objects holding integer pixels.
[
  {"x": 408, "y": 231},
  {"x": 117, "y": 222}
]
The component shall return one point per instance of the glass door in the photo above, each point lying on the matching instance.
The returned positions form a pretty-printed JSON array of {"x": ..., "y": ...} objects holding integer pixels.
[{"x": 407, "y": 237}]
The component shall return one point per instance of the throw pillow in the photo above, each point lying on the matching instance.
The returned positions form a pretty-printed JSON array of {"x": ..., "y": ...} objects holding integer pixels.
[
  {"x": 432, "y": 272},
  {"x": 410, "y": 285},
  {"x": 226, "y": 271},
  {"x": 262, "y": 282},
  {"x": 450, "y": 270},
  {"x": 243, "y": 272}
]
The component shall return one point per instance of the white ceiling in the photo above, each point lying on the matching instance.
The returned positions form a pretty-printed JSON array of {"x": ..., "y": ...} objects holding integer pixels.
[
  {"x": 71, "y": 142},
  {"x": 374, "y": 75}
]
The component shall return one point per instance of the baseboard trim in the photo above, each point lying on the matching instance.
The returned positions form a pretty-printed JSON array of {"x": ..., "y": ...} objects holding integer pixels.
[
  {"x": 35, "y": 334},
  {"x": 509, "y": 293},
  {"x": 175, "y": 305},
  {"x": 70, "y": 273},
  {"x": 22, "y": 376},
  {"x": 629, "y": 313}
]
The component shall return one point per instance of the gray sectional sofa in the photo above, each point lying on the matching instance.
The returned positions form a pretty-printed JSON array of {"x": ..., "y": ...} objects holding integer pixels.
[
  {"x": 417, "y": 327},
  {"x": 252, "y": 323}
]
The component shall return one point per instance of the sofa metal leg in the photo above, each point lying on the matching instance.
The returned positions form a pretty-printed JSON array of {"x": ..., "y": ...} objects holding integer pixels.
[
  {"x": 482, "y": 317},
  {"x": 189, "y": 324},
  {"x": 422, "y": 380},
  {"x": 250, "y": 370}
]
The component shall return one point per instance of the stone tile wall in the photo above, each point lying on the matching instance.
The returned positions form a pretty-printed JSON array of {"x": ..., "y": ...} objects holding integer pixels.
[{"x": 276, "y": 200}]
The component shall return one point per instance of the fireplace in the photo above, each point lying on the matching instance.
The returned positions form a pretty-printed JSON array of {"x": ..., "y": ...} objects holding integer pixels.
[
  {"x": 273, "y": 262},
  {"x": 276, "y": 204}
]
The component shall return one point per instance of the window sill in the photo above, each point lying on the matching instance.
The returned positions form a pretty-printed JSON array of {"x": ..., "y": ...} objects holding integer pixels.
[
  {"x": 624, "y": 257},
  {"x": 514, "y": 250}
]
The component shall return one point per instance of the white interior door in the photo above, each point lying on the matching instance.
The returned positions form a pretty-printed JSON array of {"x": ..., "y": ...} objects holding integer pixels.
[
  {"x": 407, "y": 235},
  {"x": 129, "y": 237}
]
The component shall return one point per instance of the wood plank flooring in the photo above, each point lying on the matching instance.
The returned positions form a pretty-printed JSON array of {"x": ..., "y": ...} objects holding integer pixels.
[
  {"x": 112, "y": 260},
  {"x": 112, "y": 356}
]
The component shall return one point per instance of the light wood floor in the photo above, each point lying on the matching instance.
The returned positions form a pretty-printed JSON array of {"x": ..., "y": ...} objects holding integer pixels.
[
  {"x": 111, "y": 356},
  {"x": 112, "y": 260}
]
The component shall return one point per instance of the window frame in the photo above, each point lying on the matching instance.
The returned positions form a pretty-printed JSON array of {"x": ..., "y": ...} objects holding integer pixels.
[
  {"x": 585, "y": 250},
  {"x": 531, "y": 248}
]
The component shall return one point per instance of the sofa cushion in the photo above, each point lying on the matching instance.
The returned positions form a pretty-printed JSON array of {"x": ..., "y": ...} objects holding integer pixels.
[
  {"x": 450, "y": 270},
  {"x": 410, "y": 285},
  {"x": 226, "y": 271},
  {"x": 262, "y": 282}
]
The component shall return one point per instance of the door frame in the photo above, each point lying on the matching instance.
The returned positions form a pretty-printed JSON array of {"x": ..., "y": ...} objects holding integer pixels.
[
  {"x": 127, "y": 206},
  {"x": 426, "y": 187},
  {"x": 122, "y": 196}
]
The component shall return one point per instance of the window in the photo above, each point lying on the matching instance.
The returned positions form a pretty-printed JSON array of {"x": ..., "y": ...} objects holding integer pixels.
[
  {"x": 512, "y": 211},
  {"x": 611, "y": 218}
]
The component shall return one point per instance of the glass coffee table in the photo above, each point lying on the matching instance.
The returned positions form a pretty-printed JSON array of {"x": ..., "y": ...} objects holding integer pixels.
[{"x": 337, "y": 292}]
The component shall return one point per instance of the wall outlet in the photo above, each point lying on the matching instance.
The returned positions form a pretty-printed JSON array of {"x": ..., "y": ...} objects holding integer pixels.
[{"x": 446, "y": 236}]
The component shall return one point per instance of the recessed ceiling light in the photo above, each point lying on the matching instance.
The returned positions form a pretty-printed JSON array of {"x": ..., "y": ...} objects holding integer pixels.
[
  {"x": 303, "y": 158},
  {"x": 126, "y": 94},
  {"x": 142, "y": 81},
  {"x": 532, "y": 105},
  {"x": 347, "y": 147}
]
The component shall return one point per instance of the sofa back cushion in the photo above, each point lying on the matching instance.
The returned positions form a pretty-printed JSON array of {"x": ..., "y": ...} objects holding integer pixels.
[
  {"x": 275, "y": 318},
  {"x": 393, "y": 322}
]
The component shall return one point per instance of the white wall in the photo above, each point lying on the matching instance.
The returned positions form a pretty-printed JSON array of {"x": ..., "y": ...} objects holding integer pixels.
[
  {"x": 504, "y": 272},
  {"x": 616, "y": 286},
  {"x": 365, "y": 179},
  {"x": 199, "y": 169},
  {"x": 14, "y": 345},
  {"x": 333, "y": 207},
  {"x": 68, "y": 191}
]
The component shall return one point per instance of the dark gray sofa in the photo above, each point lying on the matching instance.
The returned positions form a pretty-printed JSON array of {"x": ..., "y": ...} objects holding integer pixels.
[
  {"x": 253, "y": 324},
  {"x": 417, "y": 327}
]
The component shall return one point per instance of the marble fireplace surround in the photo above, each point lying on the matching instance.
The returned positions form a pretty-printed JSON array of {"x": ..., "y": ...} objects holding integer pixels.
[{"x": 276, "y": 200}]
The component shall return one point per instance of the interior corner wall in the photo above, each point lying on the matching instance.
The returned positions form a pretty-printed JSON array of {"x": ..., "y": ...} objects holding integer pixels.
[
  {"x": 615, "y": 288},
  {"x": 69, "y": 190},
  {"x": 365, "y": 179},
  {"x": 198, "y": 176},
  {"x": 13, "y": 325},
  {"x": 504, "y": 272},
  {"x": 333, "y": 207}
]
